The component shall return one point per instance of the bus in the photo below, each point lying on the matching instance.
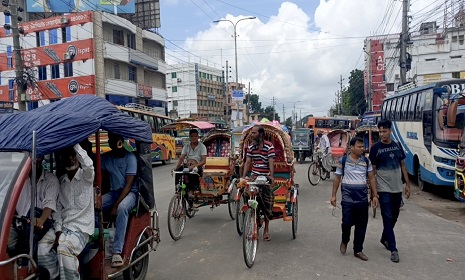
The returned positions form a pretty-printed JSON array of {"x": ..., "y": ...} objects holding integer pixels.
[
  {"x": 370, "y": 118},
  {"x": 429, "y": 129},
  {"x": 164, "y": 145},
  {"x": 326, "y": 124}
]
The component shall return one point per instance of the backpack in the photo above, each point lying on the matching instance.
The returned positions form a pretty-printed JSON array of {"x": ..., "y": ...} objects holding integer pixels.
[{"x": 344, "y": 159}]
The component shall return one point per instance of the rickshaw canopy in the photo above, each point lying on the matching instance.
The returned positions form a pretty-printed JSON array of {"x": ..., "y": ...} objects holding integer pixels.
[{"x": 66, "y": 122}]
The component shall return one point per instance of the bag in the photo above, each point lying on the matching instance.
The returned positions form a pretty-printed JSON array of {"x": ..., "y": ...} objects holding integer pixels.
[
  {"x": 344, "y": 159},
  {"x": 109, "y": 240}
]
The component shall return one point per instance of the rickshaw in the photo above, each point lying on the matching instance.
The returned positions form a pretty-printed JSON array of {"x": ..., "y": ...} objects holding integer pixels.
[
  {"x": 249, "y": 217},
  {"x": 339, "y": 140},
  {"x": 214, "y": 185},
  {"x": 302, "y": 143},
  {"x": 44, "y": 132},
  {"x": 369, "y": 133}
]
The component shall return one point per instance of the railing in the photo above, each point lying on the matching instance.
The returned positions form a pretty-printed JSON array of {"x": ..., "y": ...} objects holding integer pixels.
[{"x": 141, "y": 107}]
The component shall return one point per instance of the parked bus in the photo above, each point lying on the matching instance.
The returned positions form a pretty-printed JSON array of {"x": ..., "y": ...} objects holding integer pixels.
[
  {"x": 163, "y": 146},
  {"x": 330, "y": 123},
  {"x": 427, "y": 128}
]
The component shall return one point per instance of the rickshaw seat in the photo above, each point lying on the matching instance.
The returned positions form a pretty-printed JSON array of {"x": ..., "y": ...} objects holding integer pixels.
[{"x": 217, "y": 163}]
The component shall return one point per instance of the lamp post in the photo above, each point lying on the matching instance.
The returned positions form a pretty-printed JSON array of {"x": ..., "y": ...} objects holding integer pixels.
[{"x": 235, "y": 39}]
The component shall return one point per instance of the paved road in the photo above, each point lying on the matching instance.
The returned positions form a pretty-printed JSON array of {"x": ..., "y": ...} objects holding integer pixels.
[{"x": 430, "y": 247}]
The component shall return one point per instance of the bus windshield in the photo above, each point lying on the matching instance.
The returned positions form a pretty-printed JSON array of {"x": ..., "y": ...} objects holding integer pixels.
[
  {"x": 9, "y": 163},
  {"x": 444, "y": 133}
]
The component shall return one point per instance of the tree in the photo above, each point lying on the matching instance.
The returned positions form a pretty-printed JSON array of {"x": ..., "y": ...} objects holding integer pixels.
[
  {"x": 354, "y": 102},
  {"x": 254, "y": 105},
  {"x": 268, "y": 113},
  {"x": 288, "y": 122}
]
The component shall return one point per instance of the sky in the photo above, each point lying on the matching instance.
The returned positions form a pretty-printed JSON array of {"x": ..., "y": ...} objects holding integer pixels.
[{"x": 293, "y": 51}]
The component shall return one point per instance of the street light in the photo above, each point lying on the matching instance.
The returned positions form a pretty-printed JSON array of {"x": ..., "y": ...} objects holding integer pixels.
[{"x": 235, "y": 39}]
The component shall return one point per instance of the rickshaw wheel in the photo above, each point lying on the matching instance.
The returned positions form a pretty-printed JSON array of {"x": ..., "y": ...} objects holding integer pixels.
[
  {"x": 176, "y": 217},
  {"x": 250, "y": 238},
  {"x": 139, "y": 269},
  {"x": 232, "y": 204},
  {"x": 295, "y": 218},
  {"x": 314, "y": 175},
  {"x": 240, "y": 216}
]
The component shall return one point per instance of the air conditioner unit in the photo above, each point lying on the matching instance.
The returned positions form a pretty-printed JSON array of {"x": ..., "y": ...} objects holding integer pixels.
[
  {"x": 64, "y": 20},
  {"x": 397, "y": 77},
  {"x": 67, "y": 56},
  {"x": 179, "y": 80}
]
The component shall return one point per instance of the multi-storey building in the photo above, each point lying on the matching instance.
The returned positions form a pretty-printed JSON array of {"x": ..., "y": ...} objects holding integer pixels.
[
  {"x": 85, "y": 53},
  {"x": 434, "y": 53},
  {"x": 195, "y": 91}
]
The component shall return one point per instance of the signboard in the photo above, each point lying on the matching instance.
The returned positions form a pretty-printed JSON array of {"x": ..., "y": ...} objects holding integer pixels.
[
  {"x": 6, "y": 107},
  {"x": 69, "y": 6},
  {"x": 237, "y": 95},
  {"x": 56, "y": 22},
  {"x": 378, "y": 72},
  {"x": 144, "y": 91}
]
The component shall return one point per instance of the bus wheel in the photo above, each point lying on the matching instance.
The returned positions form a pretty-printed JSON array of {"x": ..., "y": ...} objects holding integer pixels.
[{"x": 168, "y": 160}]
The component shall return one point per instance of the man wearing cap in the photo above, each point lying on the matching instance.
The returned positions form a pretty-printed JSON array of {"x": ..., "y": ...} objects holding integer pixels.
[{"x": 325, "y": 148}]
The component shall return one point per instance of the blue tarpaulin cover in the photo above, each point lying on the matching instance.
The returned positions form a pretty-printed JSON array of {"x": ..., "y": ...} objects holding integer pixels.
[{"x": 66, "y": 122}]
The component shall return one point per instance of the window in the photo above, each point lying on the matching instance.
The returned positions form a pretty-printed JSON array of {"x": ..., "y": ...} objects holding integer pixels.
[
  {"x": 405, "y": 103},
  {"x": 149, "y": 120},
  {"x": 419, "y": 106},
  {"x": 9, "y": 56},
  {"x": 8, "y": 21},
  {"x": 116, "y": 70},
  {"x": 40, "y": 38},
  {"x": 393, "y": 109},
  {"x": 11, "y": 89},
  {"x": 454, "y": 38},
  {"x": 132, "y": 73},
  {"x": 66, "y": 34},
  {"x": 55, "y": 70},
  {"x": 131, "y": 38},
  {"x": 430, "y": 59},
  {"x": 411, "y": 107},
  {"x": 455, "y": 75},
  {"x": 174, "y": 89},
  {"x": 53, "y": 36},
  {"x": 390, "y": 87},
  {"x": 461, "y": 37},
  {"x": 118, "y": 37},
  {"x": 173, "y": 75},
  {"x": 42, "y": 70},
  {"x": 68, "y": 67}
]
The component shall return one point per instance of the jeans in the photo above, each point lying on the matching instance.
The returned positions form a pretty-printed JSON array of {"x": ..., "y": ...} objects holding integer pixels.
[
  {"x": 354, "y": 214},
  {"x": 390, "y": 208},
  {"x": 122, "y": 214}
]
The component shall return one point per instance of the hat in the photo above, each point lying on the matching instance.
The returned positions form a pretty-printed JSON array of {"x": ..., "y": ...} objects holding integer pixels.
[{"x": 320, "y": 131}]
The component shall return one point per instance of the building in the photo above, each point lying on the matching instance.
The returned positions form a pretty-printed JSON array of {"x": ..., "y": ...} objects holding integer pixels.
[
  {"x": 237, "y": 109},
  {"x": 86, "y": 53},
  {"x": 434, "y": 54},
  {"x": 195, "y": 91}
]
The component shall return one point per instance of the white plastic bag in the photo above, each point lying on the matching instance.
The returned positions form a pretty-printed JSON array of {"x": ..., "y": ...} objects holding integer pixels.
[{"x": 109, "y": 241}]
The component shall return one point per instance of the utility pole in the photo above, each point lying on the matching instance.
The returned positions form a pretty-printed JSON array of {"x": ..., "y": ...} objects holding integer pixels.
[
  {"x": 403, "y": 42},
  {"x": 226, "y": 89},
  {"x": 248, "y": 106},
  {"x": 284, "y": 114},
  {"x": 19, "y": 67},
  {"x": 340, "y": 96},
  {"x": 274, "y": 114}
]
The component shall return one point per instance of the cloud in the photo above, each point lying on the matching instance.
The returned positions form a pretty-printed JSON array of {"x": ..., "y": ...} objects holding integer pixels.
[{"x": 293, "y": 56}]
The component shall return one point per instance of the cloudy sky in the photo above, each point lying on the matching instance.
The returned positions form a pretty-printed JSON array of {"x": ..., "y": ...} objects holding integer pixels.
[{"x": 294, "y": 51}]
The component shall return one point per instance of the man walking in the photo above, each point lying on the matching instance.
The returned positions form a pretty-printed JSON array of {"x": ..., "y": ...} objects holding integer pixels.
[
  {"x": 387, "y": 158},
  {"x": 324, "y": 146},
  {"x": 354, "y": 170}
]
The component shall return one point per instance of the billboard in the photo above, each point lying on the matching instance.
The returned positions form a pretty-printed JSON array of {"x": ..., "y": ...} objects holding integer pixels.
[
  {"x": 237, "y": 95},
  {"x": 71, "y": 6},
  {"x": 377, "y": 72}
]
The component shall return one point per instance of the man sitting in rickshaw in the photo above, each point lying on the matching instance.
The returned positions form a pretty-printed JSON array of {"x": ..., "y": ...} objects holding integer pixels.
[
  {"x": 74, "y": 218},
  {"x": 195, "y": 154},
  {"x": 46, "y": 203},
  {"x": 121, "y": 167},
  {"x": 260, "y": 154},
  {"x": 324, "y": 146}
]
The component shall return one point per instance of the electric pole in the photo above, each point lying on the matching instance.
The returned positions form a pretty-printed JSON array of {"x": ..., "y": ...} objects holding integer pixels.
[
  {"x": 227, "y": 95},
  {"x": 274, "y": 114},
  {"x": 284, "y": 114},
  {"x": 248, "y": 106},
  {"x": 340, "y": 96},
  {"x": 19, "y": 67},
  {"x": 403, "y": 42}
]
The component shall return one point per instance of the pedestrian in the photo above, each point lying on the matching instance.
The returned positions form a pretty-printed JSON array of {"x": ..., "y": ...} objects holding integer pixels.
[
  {"x": 387, "y": 158},
  {"x": 324, "y": 146},
  {"x": 351, "y": 172}
]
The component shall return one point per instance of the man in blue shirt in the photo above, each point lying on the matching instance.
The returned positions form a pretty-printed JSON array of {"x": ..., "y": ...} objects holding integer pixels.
[
  {"x": 388, "y": 163},
  {"x": 121, "y": 167},
  {"x": 354, "y": 169}
]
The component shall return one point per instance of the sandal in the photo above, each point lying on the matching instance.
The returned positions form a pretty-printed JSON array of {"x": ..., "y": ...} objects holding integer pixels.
[
  {"x": 116, "y": 261},
  {"x": 266, "y": 237}
]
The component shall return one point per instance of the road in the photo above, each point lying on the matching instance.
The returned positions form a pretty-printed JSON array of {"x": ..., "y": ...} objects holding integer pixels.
[{"x": 430, "y": 247}]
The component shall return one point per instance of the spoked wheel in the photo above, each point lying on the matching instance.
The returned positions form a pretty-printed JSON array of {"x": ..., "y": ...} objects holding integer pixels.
[
  {"x": 139, "y": 269},
  {"x": 232, "y": 204},
  {"x": 314, "y": 174},
  {"x": 190, "y": 212},
  {"x": 240, "y": 215},
  {"x": 295, "y": 218},
  {"x": 176, "y": 217},
  {"x": 250, "y": 238}
]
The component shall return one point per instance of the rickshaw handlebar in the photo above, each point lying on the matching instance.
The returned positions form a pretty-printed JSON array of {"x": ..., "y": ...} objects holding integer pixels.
[{"x": 185, "y": 172}]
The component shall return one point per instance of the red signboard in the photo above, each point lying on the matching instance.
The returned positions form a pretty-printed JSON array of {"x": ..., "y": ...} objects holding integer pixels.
[
  {"x": 378, "y": 72},
  {"x": 144, "y": 91},
  {"x": 54, "y": 89},
  {"x": 56, "y": 22}
]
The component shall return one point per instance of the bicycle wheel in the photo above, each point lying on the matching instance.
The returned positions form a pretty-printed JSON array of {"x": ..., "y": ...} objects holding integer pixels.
[
  {"x": 295, "y": 218},
  {"x": 250, "y": 238},
  {"x": 240, "y": 215},
  {"x": 176, "y": 217},
  {"x": 314, "y": 175},
  {"x": 232, "y": 204}
]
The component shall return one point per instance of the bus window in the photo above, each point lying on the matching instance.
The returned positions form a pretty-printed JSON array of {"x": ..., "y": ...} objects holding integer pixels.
[
  {"x": 157, "y": 123},
  {"x": 398, "y": 108},
  {"x": 319, "y": 124},
  {"x": 442, "y": 132},
  {"x": 137, "y": 116},
  {"x": 411, "y": 107},
  {"x": 428, "y": 100},
  {"x": 405, "y": 103},
  {"x": 149, "y": 120},
  {"x": 420, "y": 105}
]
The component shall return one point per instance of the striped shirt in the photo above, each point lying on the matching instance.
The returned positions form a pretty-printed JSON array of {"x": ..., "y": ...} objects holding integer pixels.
[
  {"x": 354, "y": 187},
  {"x": 260, "y": 158}
]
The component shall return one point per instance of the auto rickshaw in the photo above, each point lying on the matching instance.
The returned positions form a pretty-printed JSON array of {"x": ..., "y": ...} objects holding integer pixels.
[
  {"x": 339, "y": 140},
  {"x": 214, "y": 184},
  {"x": 302, "y": 143},
  {"x": 47, "y": 130}
]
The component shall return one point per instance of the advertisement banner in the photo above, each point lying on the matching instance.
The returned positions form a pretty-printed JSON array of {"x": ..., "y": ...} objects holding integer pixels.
[
  {"x": 60, "y": 88},
  {"x": 5, "y": 94},
  {"x": 144, "y": 91},
  {"x": 6, "y": 107},
  {"x": 56, "y": 22},
  {"x": 72, "y": 6},
  {"x": 237, "y": 95},
  {"x": 378, "y": 72}
]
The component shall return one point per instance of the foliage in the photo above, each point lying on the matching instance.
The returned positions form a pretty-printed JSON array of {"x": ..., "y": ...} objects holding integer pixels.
[
  {"x": 353, "y": 97},
  {"x": 254, "y": 105},
  {"x": 288, "y": 122},
  {"x": 268, "y": 113}
]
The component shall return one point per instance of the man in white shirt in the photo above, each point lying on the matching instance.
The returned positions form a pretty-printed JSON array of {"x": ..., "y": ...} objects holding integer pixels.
[
  {"x": 74, "y": 219},
  {"x": 325, "y": 148}
]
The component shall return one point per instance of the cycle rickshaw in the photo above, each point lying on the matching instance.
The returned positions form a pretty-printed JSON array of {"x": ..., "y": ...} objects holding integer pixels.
[
  {"x": 44, "y": 132},
  {"x": 285, "y": 207},
  {"x": 214, "y": 184}
]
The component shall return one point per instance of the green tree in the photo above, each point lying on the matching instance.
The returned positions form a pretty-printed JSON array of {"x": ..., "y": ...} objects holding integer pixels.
[
  {"x": 268, "y": 113},
  {"x": 255, "y": 106},
  {"x": 353, "y": 96},
  {"x": 288, "y": 122}
]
